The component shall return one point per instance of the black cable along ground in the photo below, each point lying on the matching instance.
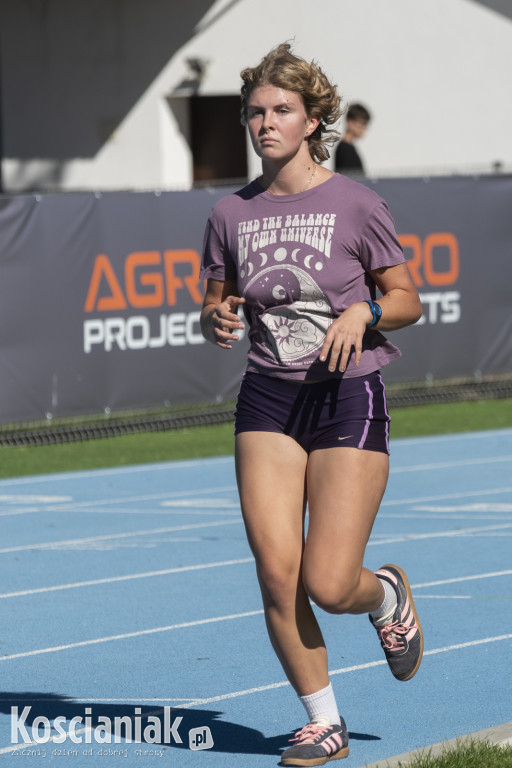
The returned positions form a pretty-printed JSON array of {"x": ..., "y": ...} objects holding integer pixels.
[{"x": 93, "y": 428}]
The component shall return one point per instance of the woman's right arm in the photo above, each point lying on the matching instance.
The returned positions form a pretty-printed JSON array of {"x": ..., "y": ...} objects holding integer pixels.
[{"x": 219, "y": 318}]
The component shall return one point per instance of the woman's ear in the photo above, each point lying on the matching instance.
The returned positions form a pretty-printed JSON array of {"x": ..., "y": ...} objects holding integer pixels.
[{"x": 312, "y": 124}]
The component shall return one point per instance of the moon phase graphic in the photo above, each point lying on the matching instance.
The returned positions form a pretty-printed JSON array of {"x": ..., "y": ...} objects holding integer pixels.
[{"x": 297, "y": 315}]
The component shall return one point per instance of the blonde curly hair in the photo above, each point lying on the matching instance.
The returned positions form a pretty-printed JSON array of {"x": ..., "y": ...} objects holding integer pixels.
[{"x": 282, "y": 69}]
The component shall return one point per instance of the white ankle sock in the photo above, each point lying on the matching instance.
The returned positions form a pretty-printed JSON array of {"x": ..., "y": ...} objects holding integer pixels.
[
  {"x": 321, "y": 707},
  {"x": 384, "y": 612}
]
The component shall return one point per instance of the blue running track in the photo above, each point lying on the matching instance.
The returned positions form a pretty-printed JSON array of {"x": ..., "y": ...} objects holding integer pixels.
[{"x": 127, "y": 592}]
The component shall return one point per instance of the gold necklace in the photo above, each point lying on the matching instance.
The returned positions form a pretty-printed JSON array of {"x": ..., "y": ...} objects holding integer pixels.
[{"x": 310, "y": 181}]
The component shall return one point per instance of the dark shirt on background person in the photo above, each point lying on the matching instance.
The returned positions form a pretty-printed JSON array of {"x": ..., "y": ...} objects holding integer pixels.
[{"x": 347, "y": 159}]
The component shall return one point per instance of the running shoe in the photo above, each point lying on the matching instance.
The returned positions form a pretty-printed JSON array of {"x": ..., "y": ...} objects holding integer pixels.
[
  {"x": 402, "y": 638},
  {"x": 316, "y": 744}
]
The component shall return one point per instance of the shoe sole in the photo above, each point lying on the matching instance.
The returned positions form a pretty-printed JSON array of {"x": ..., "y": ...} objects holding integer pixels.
[
  {"x": 319, "y": 760},
  {"x": 416, "y": 619}
]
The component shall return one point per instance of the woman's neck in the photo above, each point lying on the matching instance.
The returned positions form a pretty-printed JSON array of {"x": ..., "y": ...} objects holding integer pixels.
[
  {"x": 283, "y": 183},
  {"x": 291, "y": 180}
]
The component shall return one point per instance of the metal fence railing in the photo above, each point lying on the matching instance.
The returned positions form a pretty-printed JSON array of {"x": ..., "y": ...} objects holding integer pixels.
[{"x": 97, "y": 427}]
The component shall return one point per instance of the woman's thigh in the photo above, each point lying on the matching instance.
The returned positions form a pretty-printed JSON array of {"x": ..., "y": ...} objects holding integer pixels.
[
  {"x": 345, "y": 489},
  {"x": 271, "y": 472}
]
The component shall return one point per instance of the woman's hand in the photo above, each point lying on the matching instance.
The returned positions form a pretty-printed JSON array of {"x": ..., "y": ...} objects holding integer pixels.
[
  {"x": 346, "y": 333},
  {"x": 224, "y": 321},
  {"x": 400, "y": 306},
  {"x": 219, "y": 318}
]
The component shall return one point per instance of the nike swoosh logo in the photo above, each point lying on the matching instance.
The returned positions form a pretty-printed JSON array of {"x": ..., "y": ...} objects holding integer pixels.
[{"x": 345, "y": 438}]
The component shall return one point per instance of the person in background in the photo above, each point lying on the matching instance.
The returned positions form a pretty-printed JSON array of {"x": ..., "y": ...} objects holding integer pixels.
[
  {"x": 347, "y": 159},
  {"x": 302, "y": 251}
]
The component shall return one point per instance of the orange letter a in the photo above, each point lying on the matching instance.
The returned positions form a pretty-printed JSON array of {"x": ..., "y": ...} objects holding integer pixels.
[{"x": 116, "y": 300}]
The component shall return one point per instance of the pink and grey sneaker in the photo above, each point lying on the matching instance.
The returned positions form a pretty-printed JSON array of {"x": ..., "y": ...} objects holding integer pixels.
[
  {"x": 402, "y": 638},
  {"x": 316, "y": 744}
]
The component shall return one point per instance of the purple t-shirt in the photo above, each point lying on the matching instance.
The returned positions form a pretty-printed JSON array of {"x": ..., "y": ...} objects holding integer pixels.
[{"x": 299, "y": 262}]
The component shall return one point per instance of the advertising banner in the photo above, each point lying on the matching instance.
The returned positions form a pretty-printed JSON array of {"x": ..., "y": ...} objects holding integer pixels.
[
  {"x": 100, "y": 299},
  {"x": 100, "y": 295}
]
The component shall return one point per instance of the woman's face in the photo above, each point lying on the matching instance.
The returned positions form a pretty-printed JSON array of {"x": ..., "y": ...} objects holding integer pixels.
[{"x": 278, "y": 123}]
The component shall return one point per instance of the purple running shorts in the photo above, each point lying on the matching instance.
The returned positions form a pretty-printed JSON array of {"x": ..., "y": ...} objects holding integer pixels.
[{"x": 324, "y": 414}]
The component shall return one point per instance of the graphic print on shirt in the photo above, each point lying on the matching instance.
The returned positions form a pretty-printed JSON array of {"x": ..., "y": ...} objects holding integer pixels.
[
  {"x": 277, "y": 260},
  {"x": 297, "y": 325}
]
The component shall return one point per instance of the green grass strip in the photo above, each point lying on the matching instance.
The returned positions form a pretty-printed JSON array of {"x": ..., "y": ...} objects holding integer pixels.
[{"x": 466, "y": 754}]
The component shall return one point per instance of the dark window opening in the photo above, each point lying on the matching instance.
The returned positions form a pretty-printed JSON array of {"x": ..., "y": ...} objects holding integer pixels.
[{"x": 218, "y": 140}]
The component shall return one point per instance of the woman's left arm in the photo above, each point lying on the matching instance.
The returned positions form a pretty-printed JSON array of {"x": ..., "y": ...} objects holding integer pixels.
[{"x": 400, "y": 302}]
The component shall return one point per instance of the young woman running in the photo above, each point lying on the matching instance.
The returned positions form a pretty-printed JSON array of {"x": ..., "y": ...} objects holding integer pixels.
[{"x": 302, "y": 250}]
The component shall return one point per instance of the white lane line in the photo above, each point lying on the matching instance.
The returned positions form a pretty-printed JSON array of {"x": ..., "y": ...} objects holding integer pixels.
[
  {"x": 451, "y": 464},
  {"x": 157, "y": 511},
  {"x": 445, "y": 597},
  {"x": 478, "y": 507},
  {"x": 209, "y": 492},
  {"x": 209, "y": 503},
  {"x": 463, "y": 597},
  {"x": 489, "y": 434},
  {"x": 456, "y": 580},
  {"x": 128, "y": 577},
  {"x": 469, "y": 644},
  {"x": 111, "y": 536},
  {"x": 32, "y": 498},
  {"x": 446, "y": 496},
  {"x": 128, "y": 635},
  {"x": 438, "y": 534},
  {"x": 165, "y": 466},
  {"x": 72, "y": 506},
  {"x": 69, "y": 700},
  {"x": 222, "y": 509},
  {"x": 13, "y": 503},
  {"x": 440, "y": 516}
]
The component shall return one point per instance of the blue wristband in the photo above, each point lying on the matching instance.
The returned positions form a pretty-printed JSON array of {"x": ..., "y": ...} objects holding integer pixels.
[{"x": 376, "y": 312}]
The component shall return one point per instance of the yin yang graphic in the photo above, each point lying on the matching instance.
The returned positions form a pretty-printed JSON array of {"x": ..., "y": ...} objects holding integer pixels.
[{"x": 298, "y": 314}]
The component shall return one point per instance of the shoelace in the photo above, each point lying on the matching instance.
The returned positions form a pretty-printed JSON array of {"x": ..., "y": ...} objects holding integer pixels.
[
  {"x": 391, "y": 635},
  {"x": 310, "y": 733}
]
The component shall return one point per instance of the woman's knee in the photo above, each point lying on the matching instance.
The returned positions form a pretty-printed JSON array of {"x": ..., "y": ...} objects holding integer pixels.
[
  {"x": 330, "y": 593},
  {"x": 279, "y": 584}
]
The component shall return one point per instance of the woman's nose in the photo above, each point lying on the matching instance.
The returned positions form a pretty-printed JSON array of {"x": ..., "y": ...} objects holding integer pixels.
[{"x": 267, "y": 122}]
